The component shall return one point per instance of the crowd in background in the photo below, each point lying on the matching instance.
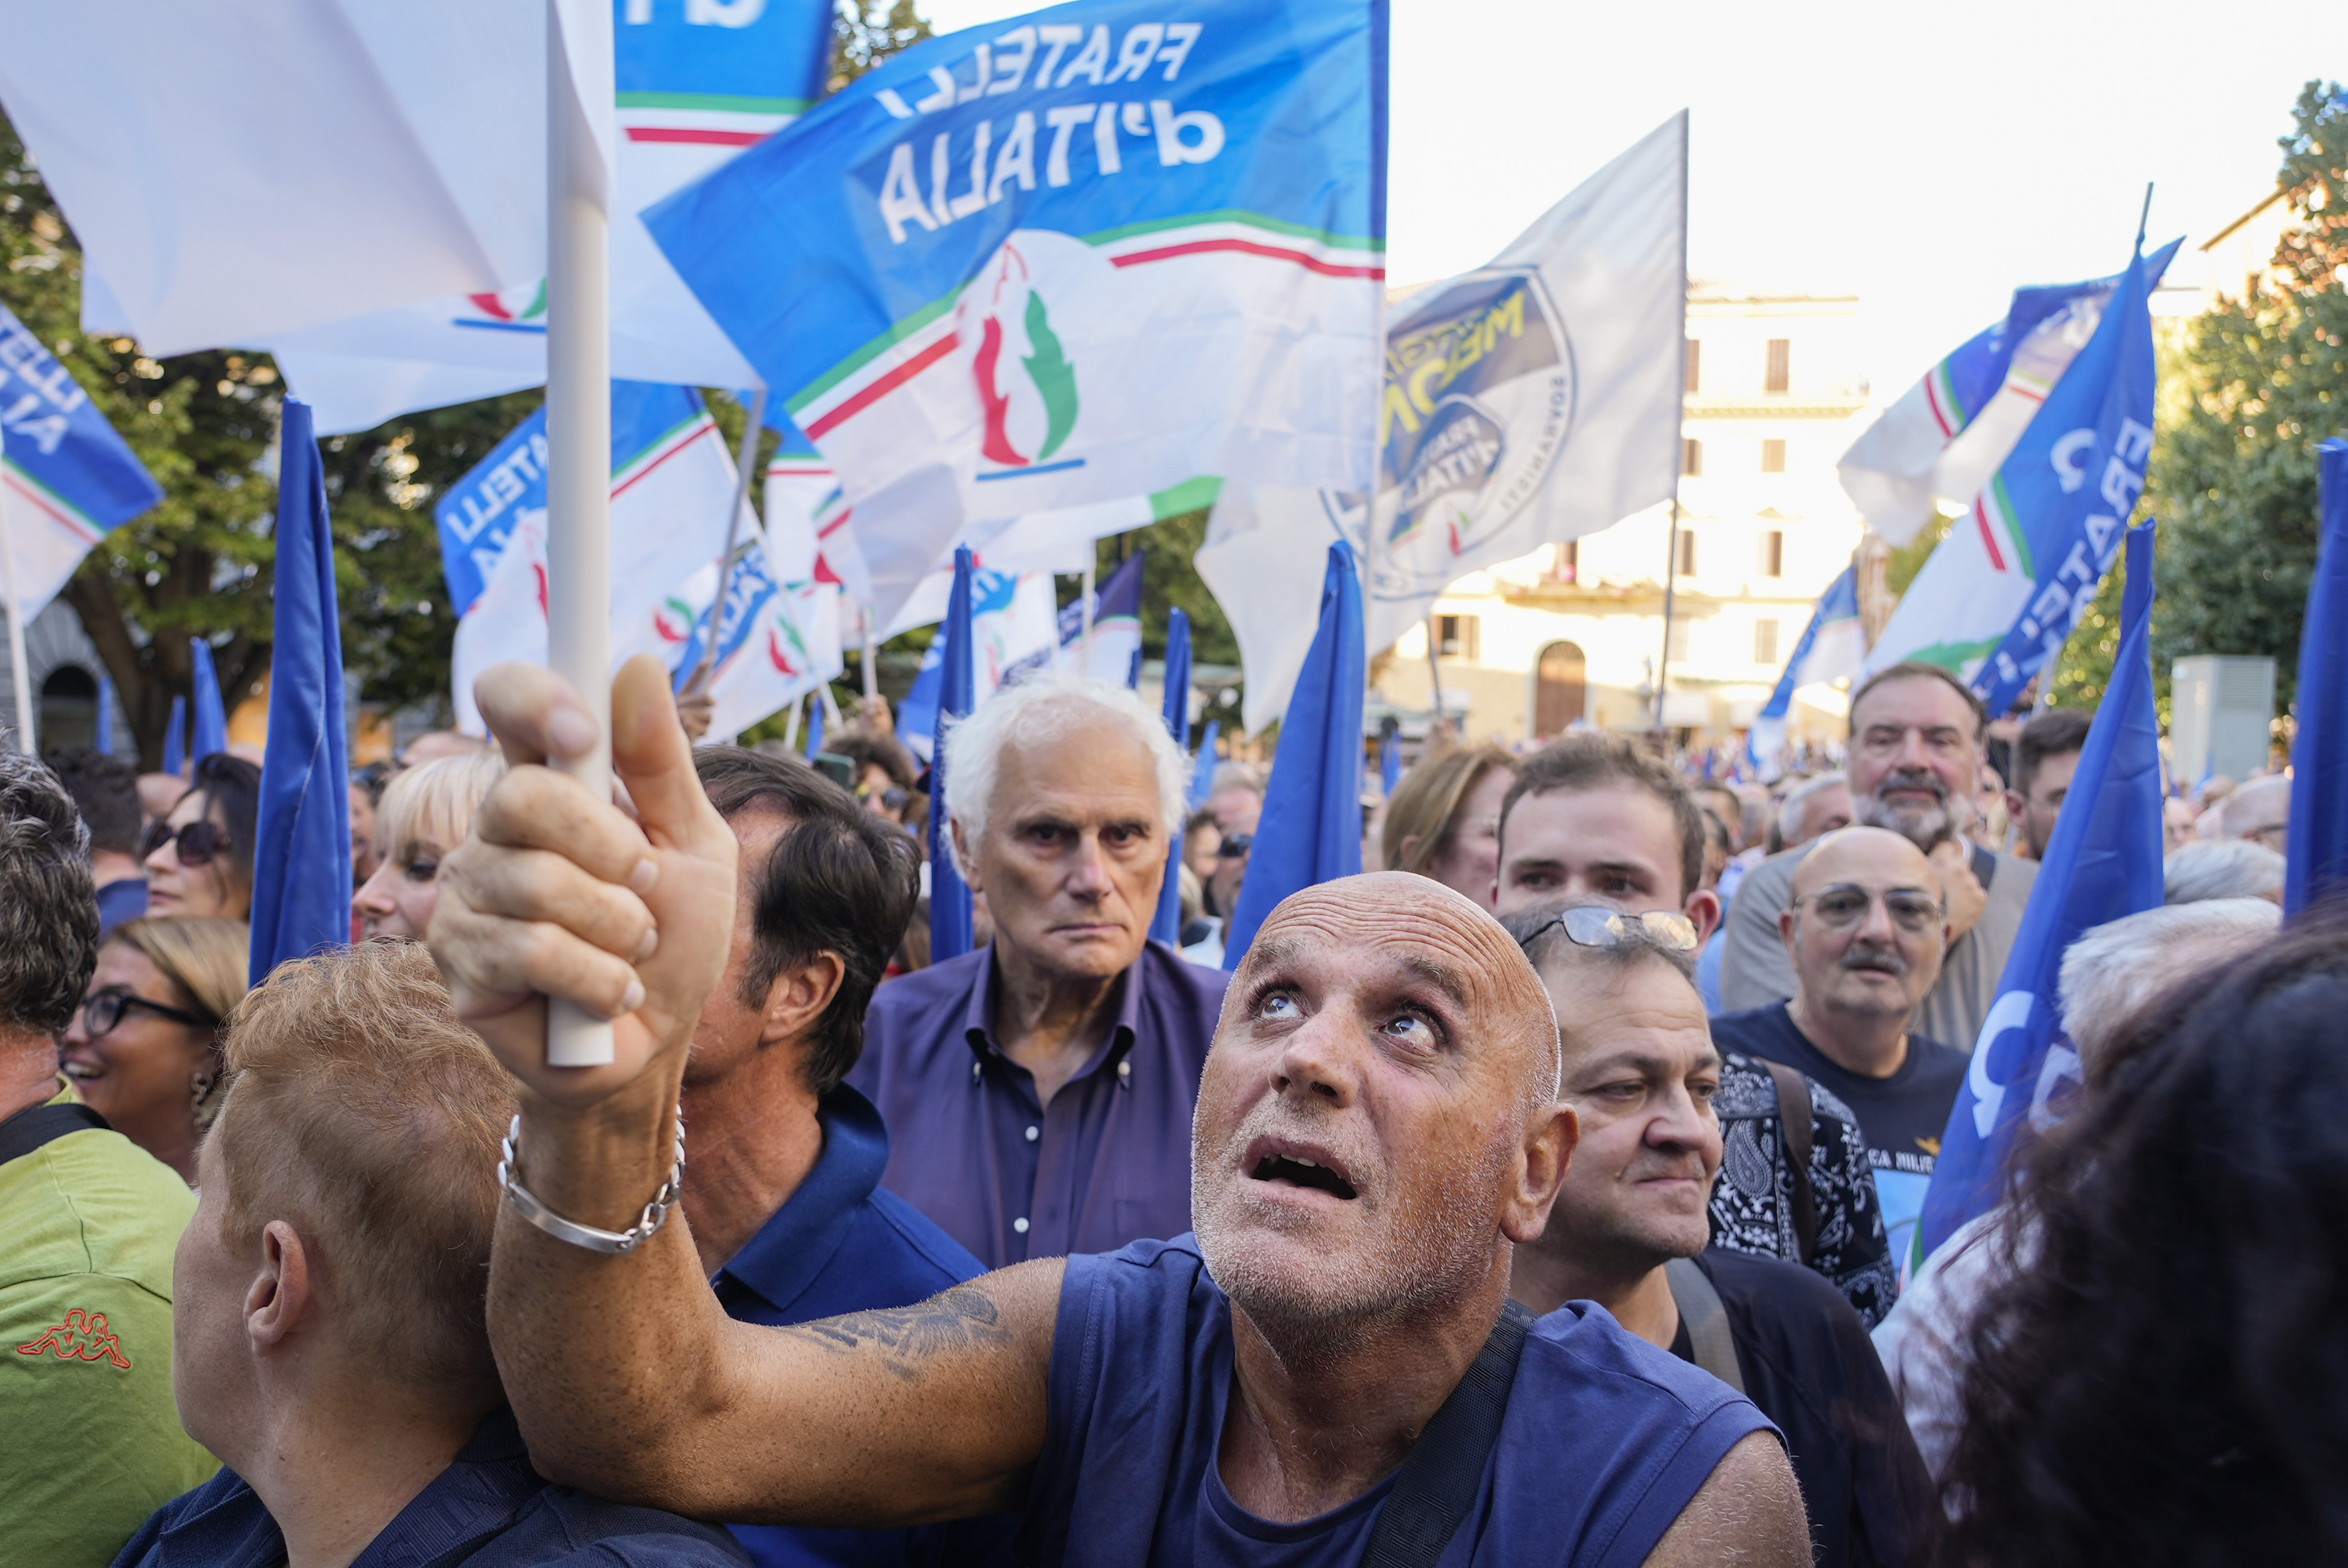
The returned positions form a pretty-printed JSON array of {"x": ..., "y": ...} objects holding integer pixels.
[{"x": 1764, "y": 996}]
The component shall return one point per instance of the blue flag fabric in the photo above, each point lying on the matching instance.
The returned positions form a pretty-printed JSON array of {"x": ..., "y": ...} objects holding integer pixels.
[
  {"x": 1167, "y": 925},
  {"x": 2104, "y": 862},
  {"x": 2319, "y": 756},
  {"x": 1389, "y": 762},
  {"x": 175, "y": 740},
  {"x": 950, "y": 911},
  {"x": 105, "y": 715},
  {"x": 2067, "y": 488},
  {"x": 1310, "y": 831},
  {"x": 212, "y": 715},
  {"x": 1202, "y": 765},
  {"x": 301, "y": 849},
  {"x": 815, "y": 727}
]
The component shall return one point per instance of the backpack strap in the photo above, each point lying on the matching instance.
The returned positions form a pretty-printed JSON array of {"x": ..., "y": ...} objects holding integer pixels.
[
  {"x": 1438, "y": 1484},
  {"x": 1794, "y": 1120},
  {"x": 1706, "y": 1321},
  {"x": 35, "y": 1125}
]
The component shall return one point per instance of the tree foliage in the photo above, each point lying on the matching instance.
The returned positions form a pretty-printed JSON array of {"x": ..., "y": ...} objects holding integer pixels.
[{"x": 2255, "y": 386}]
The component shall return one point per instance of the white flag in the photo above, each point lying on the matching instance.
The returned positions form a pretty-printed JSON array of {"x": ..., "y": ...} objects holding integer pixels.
[{"x": 1533, "y": 400}]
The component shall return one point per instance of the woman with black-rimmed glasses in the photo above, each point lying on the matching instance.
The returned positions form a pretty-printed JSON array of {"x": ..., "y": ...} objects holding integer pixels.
[
  {"x": 200, "y": 858},
  {"x": 144, "y": 1051}
]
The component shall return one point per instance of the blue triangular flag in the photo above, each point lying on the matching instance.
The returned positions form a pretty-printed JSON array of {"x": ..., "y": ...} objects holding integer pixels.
[
  {"x": 1310, "y": 831},
  {"x": 950, "y": 911},
  {"x": 105, "y": 743},
  {"x": 2104, "y": 862},
  {"x": 1202, "y": 765},
  {"x": 814, "y": 725},
  {"x": 1168, "y": 924},
  {"x": 175, "y": 740},
  {"x": 2319, "y": 772},
  {"x": 211, "y": 715},
  {"x": 302, "y": 848}
]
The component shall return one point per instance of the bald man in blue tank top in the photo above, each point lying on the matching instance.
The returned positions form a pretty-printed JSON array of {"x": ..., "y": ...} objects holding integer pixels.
[{"x": 1377, "y": 1129}]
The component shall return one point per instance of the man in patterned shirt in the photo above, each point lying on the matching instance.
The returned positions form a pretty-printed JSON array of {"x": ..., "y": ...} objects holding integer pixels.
[{"x": 1593, "y": 819}]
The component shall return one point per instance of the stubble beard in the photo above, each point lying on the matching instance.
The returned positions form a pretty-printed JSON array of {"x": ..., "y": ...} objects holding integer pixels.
[{"x": 1922, "y": 826}]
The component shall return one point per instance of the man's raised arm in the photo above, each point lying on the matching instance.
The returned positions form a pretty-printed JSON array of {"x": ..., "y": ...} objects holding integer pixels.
[{"x": 627, "y": 1376}]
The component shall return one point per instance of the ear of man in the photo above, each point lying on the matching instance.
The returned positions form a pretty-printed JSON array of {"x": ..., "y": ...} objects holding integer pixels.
[
  {"x": 800, "y": 996},
  {"x": 1551, "y": 1134},
  {"x": 281, "y": 1298}
]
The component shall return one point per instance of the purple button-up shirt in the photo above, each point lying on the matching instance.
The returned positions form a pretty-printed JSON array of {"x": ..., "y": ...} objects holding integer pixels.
[{"x": 971, "y": 1146}]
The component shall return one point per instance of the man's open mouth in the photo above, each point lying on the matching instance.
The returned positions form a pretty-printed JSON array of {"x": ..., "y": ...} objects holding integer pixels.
[{"x": 1298, "y": 1172}]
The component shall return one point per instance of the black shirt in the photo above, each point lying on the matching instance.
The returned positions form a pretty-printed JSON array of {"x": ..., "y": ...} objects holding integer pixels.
[
  {"x": 1902, "y": 1117},
  {"x": 1809, "y": 1365}
]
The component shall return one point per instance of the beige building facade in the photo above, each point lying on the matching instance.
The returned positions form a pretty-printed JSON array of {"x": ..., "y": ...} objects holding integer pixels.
[{"x": 1775, "y": 393}]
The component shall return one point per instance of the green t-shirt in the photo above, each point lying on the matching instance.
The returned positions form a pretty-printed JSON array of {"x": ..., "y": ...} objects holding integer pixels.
[{"x": 91, "y": 1440}]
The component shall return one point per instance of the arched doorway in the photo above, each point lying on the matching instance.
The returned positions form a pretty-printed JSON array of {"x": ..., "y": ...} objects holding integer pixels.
[
  {"x": 69, "y": 703},
  {"x": 1561, "y": 688}
]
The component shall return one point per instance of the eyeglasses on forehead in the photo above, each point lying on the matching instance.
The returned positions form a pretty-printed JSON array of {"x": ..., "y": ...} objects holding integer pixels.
[{"x": 1596, "y": 925}]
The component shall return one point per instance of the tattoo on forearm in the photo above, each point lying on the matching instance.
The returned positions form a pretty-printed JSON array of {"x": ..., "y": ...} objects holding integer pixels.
[{"x": 907, "y": 1337}]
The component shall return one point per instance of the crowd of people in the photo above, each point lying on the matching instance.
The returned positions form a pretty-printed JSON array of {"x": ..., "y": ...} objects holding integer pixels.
[{"x": 1550, "y": 1194}]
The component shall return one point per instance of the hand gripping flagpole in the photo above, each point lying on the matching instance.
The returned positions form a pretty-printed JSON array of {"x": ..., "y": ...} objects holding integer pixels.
[{"x": 579, "y": 460}]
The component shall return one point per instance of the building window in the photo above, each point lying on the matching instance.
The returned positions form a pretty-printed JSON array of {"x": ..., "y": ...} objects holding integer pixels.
[
  {"x": 1456, "y": 637},
  {"x": 1687, "y": 552},
  {"x": 1773, "y": 553},
  {"x": 1781, "y": 359},
  {"x": 1765, "y": 642},
  {"x": 1773, "y": 457},
  {"x": 1694, "y": 366},
  {"x": 1692, "y": 457},
  {"x": 1675, "y": 646}
]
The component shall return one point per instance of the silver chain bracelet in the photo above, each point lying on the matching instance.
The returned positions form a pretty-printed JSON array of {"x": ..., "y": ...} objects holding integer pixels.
[{"x": 527, "y": 1204}]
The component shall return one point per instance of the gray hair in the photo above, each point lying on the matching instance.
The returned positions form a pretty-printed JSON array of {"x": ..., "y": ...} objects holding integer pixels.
[
  {"x": 2111, "y": 971},
  {"x": 1789, "y": 811},
  {"x": 48, "y": 904},
  {"x": 2221, "y": 868},
  {"x": 1035, "y": 712}
]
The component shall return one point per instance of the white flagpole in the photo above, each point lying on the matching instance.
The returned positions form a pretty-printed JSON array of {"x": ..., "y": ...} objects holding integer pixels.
[
  {"x": 20, "y": 672},
  {"x": 1085, "y": 598},
  {"x": 872, "y": 671},
  {"x": 579, "y": 460},
  {"x": 1672, "y": 549}
]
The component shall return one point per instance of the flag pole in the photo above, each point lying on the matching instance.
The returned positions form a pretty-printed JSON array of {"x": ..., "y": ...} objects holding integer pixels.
[
  {"x": 1671, "y": 557},
  {"x": 578, "y": 461},
  {"x": 872, "y": 671},
  {"x": 747, "y": 455},
  {"x": 1434, "y": 668},
  {"x": 19, "y": 672}
]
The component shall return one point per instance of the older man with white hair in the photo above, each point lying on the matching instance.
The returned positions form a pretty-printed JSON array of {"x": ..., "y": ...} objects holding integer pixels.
[
  {"x": 2109, "y": 976},
  {"x": 1038, "y": 1091}
]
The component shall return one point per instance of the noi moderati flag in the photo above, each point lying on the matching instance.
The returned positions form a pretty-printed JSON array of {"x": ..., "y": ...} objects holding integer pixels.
[{"x": 1079, "y": 256}]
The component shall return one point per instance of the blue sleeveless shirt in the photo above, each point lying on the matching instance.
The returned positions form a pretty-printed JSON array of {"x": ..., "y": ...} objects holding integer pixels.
[{"x": 1607, "y": 1439}]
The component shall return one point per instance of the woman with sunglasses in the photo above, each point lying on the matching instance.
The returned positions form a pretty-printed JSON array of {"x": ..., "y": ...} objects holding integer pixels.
[
  {"x": 200, "y": 858},
  {"x": 144, "y": 1051},
  {"x": 424, "y": 813}
]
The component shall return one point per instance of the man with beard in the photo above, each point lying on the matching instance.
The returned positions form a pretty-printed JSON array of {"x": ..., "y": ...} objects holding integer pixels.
[
  {"x": 1916, "y": 733},
  {"x": 1376, "y": 1132},
  {"x": 1865, "y": 935}
]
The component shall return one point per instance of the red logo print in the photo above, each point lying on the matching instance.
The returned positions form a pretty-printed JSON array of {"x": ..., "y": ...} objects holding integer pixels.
[{"x": 82, "y": 1336}]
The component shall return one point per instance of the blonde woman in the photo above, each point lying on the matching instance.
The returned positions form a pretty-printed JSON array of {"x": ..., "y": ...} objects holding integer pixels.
[
  {"x": 424, "y": 813},
  {"x": 1444, "y": 821},
  {"x": 144, "y": 1051}
]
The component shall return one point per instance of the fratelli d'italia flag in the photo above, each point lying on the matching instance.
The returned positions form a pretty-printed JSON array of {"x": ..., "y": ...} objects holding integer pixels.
[{"x": 1083, "y": 255}]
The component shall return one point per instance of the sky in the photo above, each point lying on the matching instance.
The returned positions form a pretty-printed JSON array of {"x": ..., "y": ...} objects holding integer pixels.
[{"x": 1930, "y": 159}]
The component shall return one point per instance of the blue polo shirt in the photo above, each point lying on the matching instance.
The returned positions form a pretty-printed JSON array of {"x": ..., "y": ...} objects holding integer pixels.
[
  {"x": 841, "y": 1243},
  {"x": 489, "y": 1509},
  {"x": 1106, "y": 1163}
]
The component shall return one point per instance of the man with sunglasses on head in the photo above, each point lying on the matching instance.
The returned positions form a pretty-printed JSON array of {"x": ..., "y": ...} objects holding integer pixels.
[
  {"x": 1866, "y": 934},
  {"x": 1593, "y": 821}
]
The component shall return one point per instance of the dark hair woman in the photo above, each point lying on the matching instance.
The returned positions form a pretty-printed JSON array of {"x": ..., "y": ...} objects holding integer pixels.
[
  {"x": 2163, "y": 1379},
  {"x": 200, "y": 858}
]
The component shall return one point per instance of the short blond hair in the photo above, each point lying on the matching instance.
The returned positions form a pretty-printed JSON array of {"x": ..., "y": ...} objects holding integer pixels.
[
  {"x": 365, "y": 1115},
  {"x": 434, "y": 803},
  {"x": 207, "y": 957},
  {"x": 1427, "y": 803}
]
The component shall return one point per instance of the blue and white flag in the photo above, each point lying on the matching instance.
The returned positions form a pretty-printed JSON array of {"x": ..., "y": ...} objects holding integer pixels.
[
  {"x": 2002, "y": 590},
  {"x": 2319, "y": 754},
  {"x": 1073, "y": 257},
  {"x": 1168, "y": 924},
  {"x": 70, "y": 479},
  {"x": 1012, "y": 626},
  {"x": 1115, "y": 653},
  {"x": 1833, "y": 645},
  {"x": 671, "y": 484},
  {"x": 2104, "y": 862},
  {"x": 1533, "y": 400},
  {"x": 776, "y": 641},
  {"x": 950, "y": 900},
  {"x": 1310, "y": 831},
  {"x": 211, "y": 713},
  {"x": 302, "y": 848}
]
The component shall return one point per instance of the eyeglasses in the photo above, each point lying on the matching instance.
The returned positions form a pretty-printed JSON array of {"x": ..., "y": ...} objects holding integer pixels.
[
  {"x": 199, "y": 842},
  {"x": 1595, "y": 925},
  {"x": 101, "y": 1013},
  {"x": 1845, "y": 903},
  {"x": 1234, "y": 845}
]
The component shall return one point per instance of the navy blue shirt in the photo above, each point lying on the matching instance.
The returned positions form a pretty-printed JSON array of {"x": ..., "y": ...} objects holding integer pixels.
[
  {"x": 839, "y": 1244},
  {"x": 1606, "y": 1439},
  {"x": 976, "y": 1151},
  {"x": 488, "y": 1509}
]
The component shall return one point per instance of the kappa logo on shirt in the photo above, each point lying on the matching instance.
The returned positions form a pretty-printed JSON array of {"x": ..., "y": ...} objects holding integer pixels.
[{"x": 82, "y": 1336}]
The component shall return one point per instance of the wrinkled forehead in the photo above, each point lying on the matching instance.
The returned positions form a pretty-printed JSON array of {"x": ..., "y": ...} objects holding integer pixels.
[{"x": 1391, "y": 925}]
